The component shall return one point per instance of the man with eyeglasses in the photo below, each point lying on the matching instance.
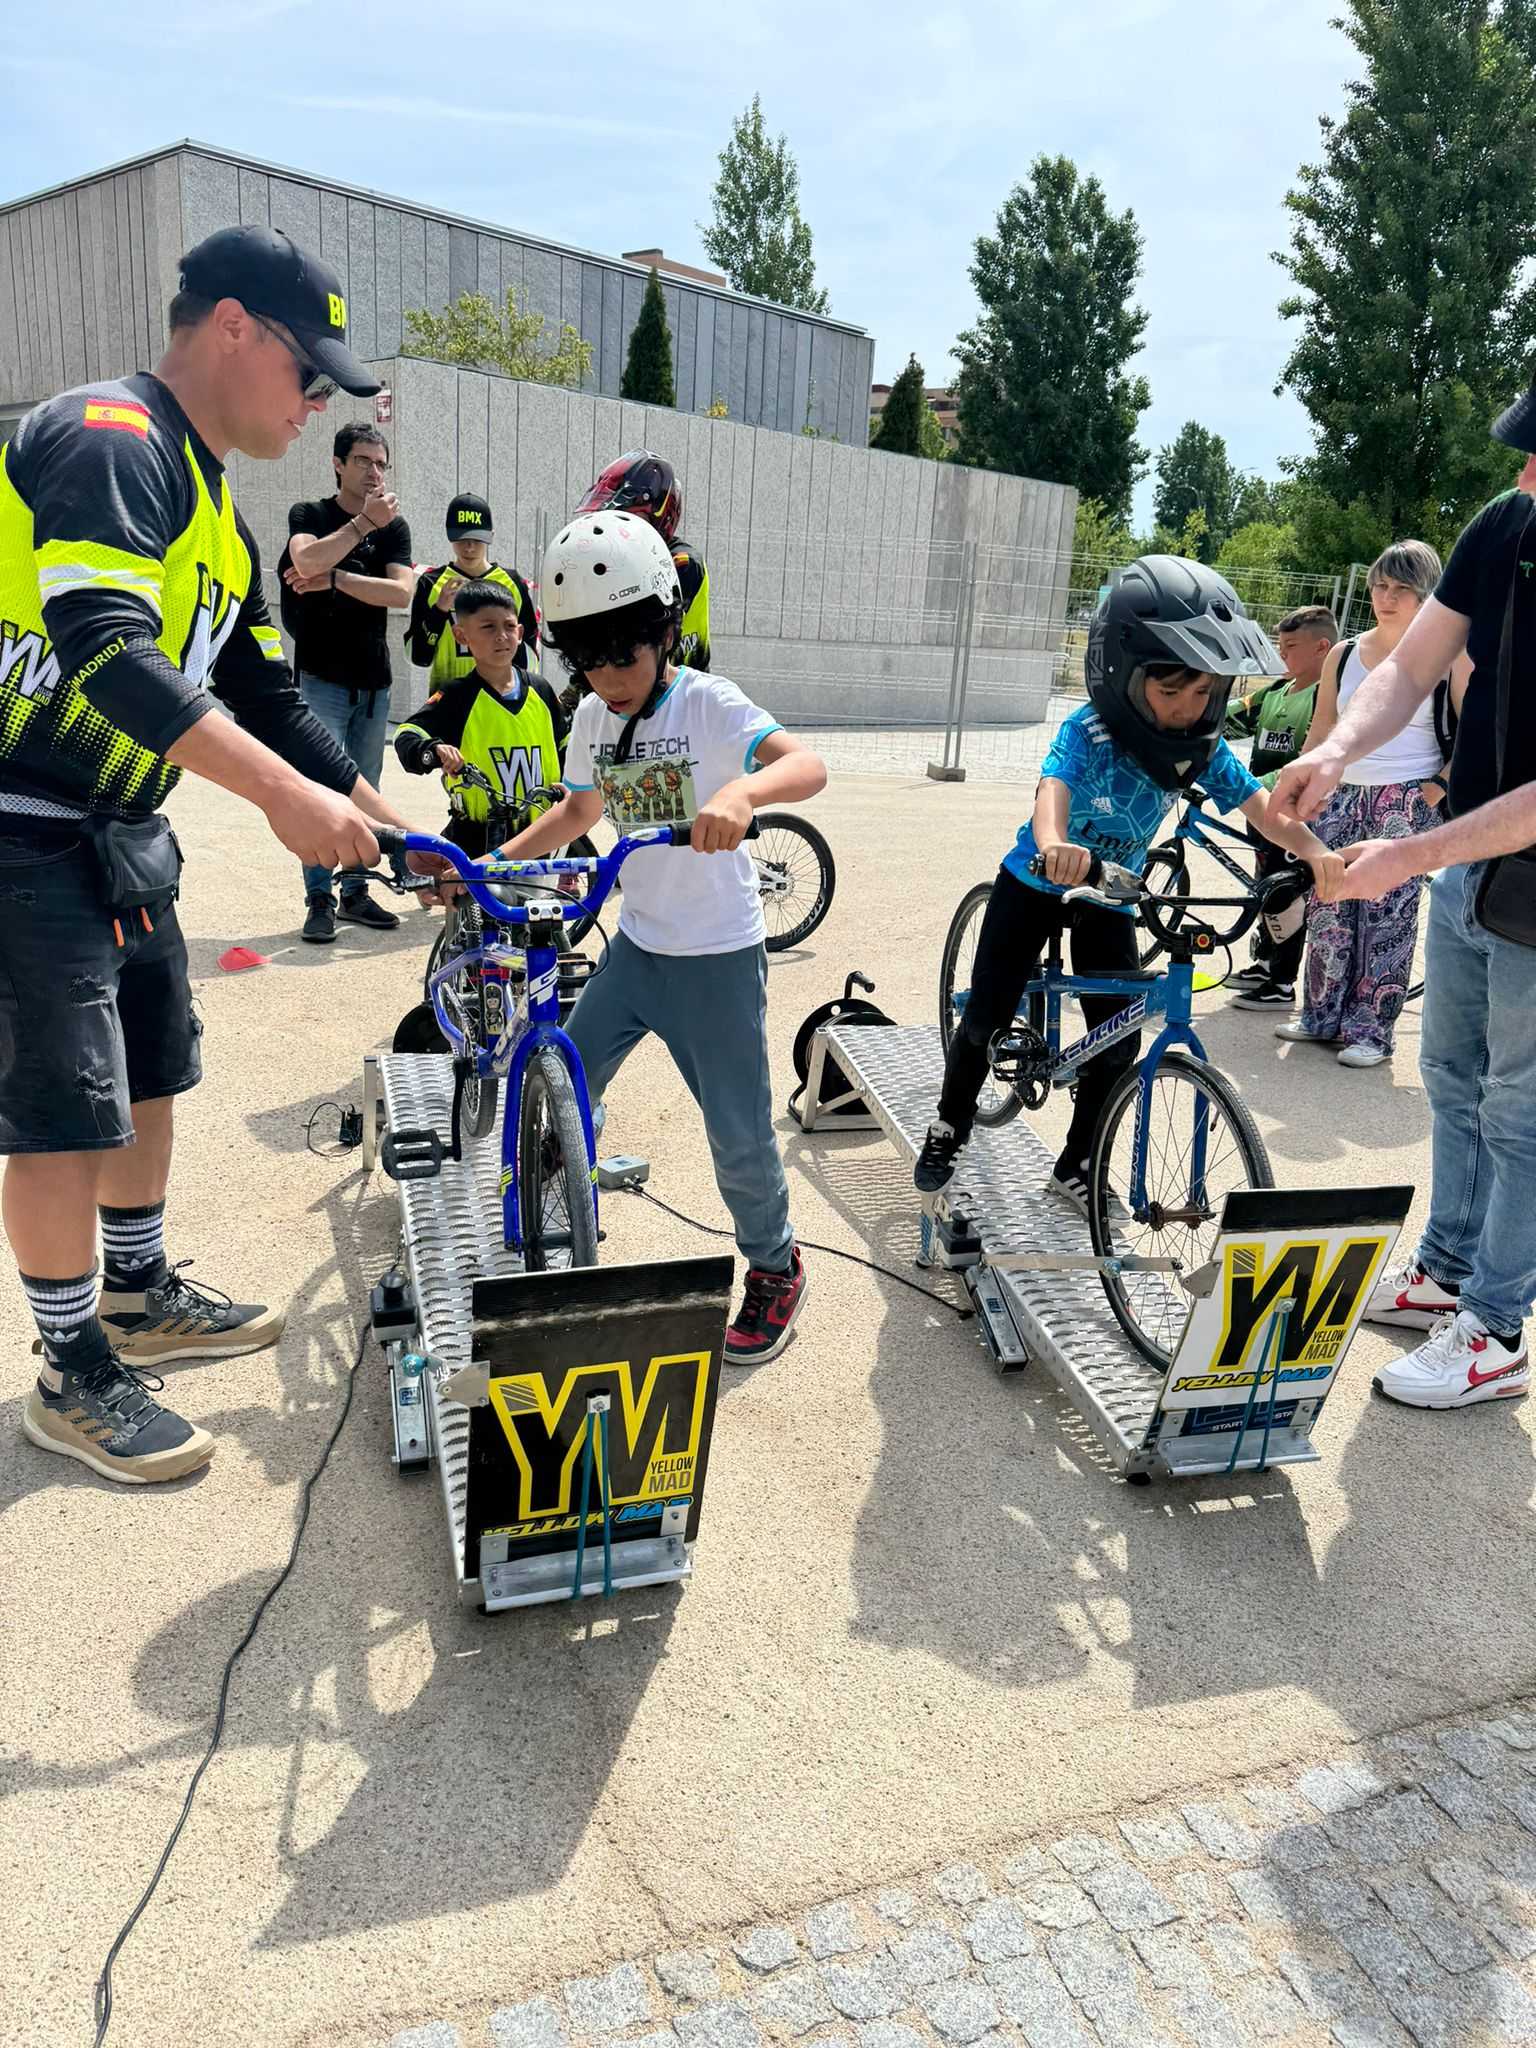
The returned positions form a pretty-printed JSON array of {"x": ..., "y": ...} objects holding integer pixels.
[
  {"x": 131, "y": 597},
  {"x": 347, "y": 565}
]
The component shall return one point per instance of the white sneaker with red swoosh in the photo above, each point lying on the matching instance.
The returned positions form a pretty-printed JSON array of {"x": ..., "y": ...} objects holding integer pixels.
[
  {"x": 1409, "y": 1298},
  {"x": 1461, "y": 1363}
]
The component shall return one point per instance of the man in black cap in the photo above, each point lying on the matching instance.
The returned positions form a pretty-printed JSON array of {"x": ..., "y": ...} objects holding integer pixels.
[
  {"x": 129, "y": 589},
  {"x": 430, "y": 636},
  {"x": 1472, "y": 1279},
  {"x": 347, "y": 564}
]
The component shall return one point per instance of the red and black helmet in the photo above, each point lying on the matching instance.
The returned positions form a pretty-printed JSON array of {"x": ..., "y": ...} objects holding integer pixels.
[{"x": 639, "y": 482}]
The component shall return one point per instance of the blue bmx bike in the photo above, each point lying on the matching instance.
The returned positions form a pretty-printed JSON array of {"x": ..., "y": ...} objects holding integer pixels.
[
  {"x": 1174, "y": 1138},
  {"x": 515, "y": 961}
]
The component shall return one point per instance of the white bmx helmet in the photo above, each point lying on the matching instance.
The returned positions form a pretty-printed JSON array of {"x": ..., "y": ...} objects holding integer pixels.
[{"x": 604, "y": 562}]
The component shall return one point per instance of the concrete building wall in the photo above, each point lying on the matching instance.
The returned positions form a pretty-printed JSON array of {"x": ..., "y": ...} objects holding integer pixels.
[
  {"x": 835, "y": 572},
  {"x": 87, "y": 271}
]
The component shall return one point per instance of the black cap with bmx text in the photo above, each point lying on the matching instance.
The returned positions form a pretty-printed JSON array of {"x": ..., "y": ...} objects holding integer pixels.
[
  {"x": 469, "y": 518},
  {"x": 270, "y": 274}
]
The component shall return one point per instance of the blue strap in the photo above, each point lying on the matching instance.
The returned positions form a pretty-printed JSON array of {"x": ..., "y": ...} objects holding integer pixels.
[
  {"x": 1274, "y": 1335},
  {"x": 605, "y": 1495},
  {"x": 581, "y": 1512}
]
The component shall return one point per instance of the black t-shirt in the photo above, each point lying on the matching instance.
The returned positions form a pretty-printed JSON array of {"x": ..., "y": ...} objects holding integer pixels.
[
  {"x": 336, "y": 637},
  {"x": 1476, "y": 584}
]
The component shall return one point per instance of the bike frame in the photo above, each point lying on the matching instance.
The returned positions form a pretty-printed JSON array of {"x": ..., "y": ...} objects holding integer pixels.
[
  {"x": 534, "y": 1024},
  {"x": 1168, "y": 996},
  {"x": 1196, "y": 827}
]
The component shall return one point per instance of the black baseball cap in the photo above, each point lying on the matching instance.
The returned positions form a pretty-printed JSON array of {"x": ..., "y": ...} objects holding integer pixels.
[
  {"x": 270, "y": 274},
  {"x": 1516, "y": 424},
  {"x": 470, "y": 519}
]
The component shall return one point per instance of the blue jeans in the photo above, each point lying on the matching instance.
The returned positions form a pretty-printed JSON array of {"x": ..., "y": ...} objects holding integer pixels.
[
  {"x": 1478, "y": 1059},
  {"x": 710, "y": 1011},
  {"x": 359, "y": 726}
]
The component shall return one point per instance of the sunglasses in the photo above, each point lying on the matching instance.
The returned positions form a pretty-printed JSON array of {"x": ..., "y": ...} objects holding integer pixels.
[{"x": 314, "y": 383}]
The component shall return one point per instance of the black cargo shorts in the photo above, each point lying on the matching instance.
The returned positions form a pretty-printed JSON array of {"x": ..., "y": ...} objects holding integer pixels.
[{"x": 95, "y": 1013}]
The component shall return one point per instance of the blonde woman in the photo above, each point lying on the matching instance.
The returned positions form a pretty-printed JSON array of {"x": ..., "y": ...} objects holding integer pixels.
[{"x": 1360, "y": 955}]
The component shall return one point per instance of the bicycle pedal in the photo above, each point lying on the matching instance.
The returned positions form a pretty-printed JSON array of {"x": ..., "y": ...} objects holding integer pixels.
[{"x": 412, "y": 1155}]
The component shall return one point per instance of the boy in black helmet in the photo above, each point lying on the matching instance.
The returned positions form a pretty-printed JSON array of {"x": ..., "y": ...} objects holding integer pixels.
[
  {"x": 430, "y": 637},
  {"x": 1165, "y": 645}
]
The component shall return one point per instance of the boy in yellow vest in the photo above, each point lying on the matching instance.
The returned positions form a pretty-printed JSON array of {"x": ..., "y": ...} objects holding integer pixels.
[{"x": 430, "y": 637}]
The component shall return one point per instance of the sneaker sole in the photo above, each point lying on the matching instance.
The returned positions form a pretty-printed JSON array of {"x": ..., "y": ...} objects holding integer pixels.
[
  {"x": 773, "y": 1350},
  {"x": 167, "y": 1353},
  {"x": 163, "y": 1465},
  {"x": 1495, "y": 1390},
  {"x": 368, "y": 924},
  {"x": 318, "y": 938},
  {"x": 1253, "y": 1003}
]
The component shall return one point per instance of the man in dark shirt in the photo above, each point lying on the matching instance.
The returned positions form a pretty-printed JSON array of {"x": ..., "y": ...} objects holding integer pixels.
[
  {"x": 130, "y": 588},
  {"x": 1473, "y": 1277},
  {"x": 347, "y": 565}
]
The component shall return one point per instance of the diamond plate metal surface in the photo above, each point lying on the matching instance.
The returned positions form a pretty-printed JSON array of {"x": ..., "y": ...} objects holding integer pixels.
[
  {"x": 452, "y": 1238},
  {"x": 999, "y": 1183}
]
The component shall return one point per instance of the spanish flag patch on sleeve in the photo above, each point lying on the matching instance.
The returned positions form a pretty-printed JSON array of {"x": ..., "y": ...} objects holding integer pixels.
[{"x": 118, "y": 413}]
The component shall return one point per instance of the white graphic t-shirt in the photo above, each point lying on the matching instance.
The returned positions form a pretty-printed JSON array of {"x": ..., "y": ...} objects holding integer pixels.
[{"x": 703, "y": 734}]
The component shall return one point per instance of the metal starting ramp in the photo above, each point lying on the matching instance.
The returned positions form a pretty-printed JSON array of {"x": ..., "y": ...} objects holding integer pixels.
[
  {"x": 568, "y": 1412},
  {"x": 1024, "y": 1258}
]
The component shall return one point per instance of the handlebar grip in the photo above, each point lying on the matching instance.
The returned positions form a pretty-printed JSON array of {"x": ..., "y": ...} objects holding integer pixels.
[
  {"x": 1090, "y": 881},
  {"x": 682, "y": 835},
  {"x": 390, "y": 837}
]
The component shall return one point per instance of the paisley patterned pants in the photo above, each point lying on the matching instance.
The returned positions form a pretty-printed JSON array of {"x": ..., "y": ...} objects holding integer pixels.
[{"x": 1360, "y": 955}]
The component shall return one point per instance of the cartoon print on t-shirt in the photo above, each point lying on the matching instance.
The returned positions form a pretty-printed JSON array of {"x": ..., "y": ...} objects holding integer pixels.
[{"x": 646, "y": 793}]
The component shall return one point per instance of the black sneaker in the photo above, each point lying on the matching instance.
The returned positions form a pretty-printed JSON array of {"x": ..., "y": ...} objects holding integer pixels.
[
  {"x": 1249, "y": 977},
  {"x": 358, "y": 907},
  {"x": 935, "y": 1166},
  {"x": 760, "y": 1328},
  {"x": 105, "y": 1417},
  {"x": 179, "y": 1319},
  {"x": 1267, "y": 995},
  {"x": 320, "y": 925}
]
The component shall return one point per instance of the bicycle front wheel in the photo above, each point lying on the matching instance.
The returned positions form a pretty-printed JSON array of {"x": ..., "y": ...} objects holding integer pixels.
[
  {"x": 554, "y": 1172},
  {"x": 795, "y": 877},
  {"x": 1201, "y": 1143},
  {"x": 997, "y": 1103}
]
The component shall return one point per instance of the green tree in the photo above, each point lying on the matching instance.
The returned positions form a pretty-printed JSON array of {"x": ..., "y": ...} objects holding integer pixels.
[
  {"x": 1044, "y": 389},
  {"x": 648, "y": 367},
  {"x": 1409, "y": 246},
  {"x": 473, "y": 332},
  {"x": 1193, "y": 472},
  {"x": 901, "y": 424},
  {"x": 934, "y": 446},
  {"x": 757, "y": 235},
  {"x": 1256, "y": 502},
  {"x": 1260, "y": 547}
]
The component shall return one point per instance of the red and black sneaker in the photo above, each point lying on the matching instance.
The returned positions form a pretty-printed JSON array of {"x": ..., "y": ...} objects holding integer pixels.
[{"x": 760, "y": 1327}]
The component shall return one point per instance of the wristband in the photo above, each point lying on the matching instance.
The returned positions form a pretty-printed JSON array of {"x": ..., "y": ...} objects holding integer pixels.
[
  {"x": 333, "y": 579},
  {"x": 1438, "y": 782}
]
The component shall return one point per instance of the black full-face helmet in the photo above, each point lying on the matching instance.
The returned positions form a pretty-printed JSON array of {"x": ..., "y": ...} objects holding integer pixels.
[{"x": 1164, "y": 612}]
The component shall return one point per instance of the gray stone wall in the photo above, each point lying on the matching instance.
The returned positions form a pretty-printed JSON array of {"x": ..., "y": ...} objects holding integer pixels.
[
  {"x": 835, "y": 572},
  {"x": 87, "y": 271}
]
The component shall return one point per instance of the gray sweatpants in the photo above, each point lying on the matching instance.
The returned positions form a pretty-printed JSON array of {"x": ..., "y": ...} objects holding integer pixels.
[{"x": 710, "y": 1012}]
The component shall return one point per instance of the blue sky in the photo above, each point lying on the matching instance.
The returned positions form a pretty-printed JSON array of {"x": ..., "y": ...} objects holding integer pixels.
[{"x": 600, "y": 122}]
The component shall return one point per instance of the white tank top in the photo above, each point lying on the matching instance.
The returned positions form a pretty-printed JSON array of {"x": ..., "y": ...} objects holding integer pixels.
[{"x": 1410, "y": 755}]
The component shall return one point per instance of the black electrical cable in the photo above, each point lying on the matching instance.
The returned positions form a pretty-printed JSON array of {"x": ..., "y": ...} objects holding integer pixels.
[
  {"x": 104, "y": 1981},
  {"x": 965, "y": 1315},
  {"x": 349, "y": 1127}
]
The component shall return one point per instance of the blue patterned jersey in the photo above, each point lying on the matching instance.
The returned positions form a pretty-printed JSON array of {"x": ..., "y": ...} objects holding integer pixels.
[{"x": 1116, "y": 807}]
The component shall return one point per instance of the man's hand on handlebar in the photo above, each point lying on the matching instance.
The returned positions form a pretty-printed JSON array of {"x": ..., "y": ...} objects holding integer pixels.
[
  {"x": 324, "y": 829},
  {"x": 445, "y": 883},
  {"x": 1065, "y": 864}
]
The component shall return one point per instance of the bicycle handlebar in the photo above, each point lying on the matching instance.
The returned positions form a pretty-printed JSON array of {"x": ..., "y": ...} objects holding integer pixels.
[{"x": 478, "y": 875}]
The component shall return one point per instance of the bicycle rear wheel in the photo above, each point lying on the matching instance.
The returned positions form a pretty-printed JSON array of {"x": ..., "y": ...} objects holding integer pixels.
[
  {"x": 1190, "y": 1108},
  {"x": 1165, "y": 874},
  {"x": 554, "y": 1172},
  {"x": 997, "y": 1103},
  {"x": 796, "y": 877}
]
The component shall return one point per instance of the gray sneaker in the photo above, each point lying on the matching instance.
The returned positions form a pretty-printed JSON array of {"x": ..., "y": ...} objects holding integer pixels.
[
  {"x": 180, "y": 1319},
  {"x": 105, "y": 1418}
]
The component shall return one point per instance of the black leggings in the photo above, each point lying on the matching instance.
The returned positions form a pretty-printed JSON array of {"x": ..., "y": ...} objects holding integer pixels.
[{"x": 1019, "y": 922}]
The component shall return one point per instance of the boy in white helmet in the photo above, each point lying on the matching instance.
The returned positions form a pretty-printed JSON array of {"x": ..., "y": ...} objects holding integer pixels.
[{"x": 657, "y": 743}]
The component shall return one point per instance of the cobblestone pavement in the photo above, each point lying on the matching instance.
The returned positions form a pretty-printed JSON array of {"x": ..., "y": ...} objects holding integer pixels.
[{"x": 1379, "y": 1900}]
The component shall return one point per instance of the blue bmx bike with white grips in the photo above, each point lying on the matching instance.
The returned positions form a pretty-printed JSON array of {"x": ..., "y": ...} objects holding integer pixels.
[
  {"x": 1174, "y": 1137},
  {"x": 511, "y": 1034}
]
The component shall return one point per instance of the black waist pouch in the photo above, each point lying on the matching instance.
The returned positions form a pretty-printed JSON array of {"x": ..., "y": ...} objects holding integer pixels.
[
  {"x": 1506, "y": 897},
  {"x": 138, "y": 861}
]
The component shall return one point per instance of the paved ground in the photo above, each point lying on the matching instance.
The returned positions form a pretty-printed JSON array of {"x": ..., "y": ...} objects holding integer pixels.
[{"x": 927, "y": 1625}]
